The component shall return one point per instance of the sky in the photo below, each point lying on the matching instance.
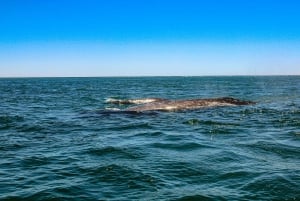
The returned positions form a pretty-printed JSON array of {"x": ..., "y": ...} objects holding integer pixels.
[{"x": 60, "y": 38}]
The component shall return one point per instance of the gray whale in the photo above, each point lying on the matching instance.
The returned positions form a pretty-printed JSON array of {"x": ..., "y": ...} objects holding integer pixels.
[{"x": 158, "y": 104}]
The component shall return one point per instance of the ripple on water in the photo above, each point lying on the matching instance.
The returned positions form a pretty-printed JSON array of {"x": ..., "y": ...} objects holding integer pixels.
[
  {"x": 210, "y": 123},
  {"x": 121, "y": 177},
  {"x": 278, "y": 149},
  {"x": 116, "y": 152},
  {"x": 71, "y": 192},
  {"x": 197, "y": 198},
  {"x": 10, "y": 121},
  {"x": 150, "y": 134},
  {"x": 273, "y": 186},
  {"x": 13, "y": 145},
  {"x": 181, "y": 146},
  {"x": 131, "y": 126},
  {"x": 34, "y": 128},
  {"x": 35, "y": 161}
]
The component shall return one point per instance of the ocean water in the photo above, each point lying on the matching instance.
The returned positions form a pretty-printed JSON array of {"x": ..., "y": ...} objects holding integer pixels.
[{"x": 56, "y": 143}]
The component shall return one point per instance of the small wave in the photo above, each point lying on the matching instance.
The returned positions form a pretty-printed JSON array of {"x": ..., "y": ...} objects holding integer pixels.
[
  {"x": 9, "y": 121},
  {"x": 34, "y": 161},
  {"x": 30, "y": 128},
  {"x": 286, "y": 121},
  {"x": 150, "y": 134},
  {"x": 122, "y": 176},
  {"x": 132, "y": 126},
  {"x": 13, "y": 146},
  {"x": 115, "y": 151},
  {"x": 114, "y": 111},
  {"x": 273, "y": 185},
  {"x": 240, "y": 174},
  {"x": 222, "y": 131},
  {"x": 194, "y": 198},
  {"x": 282, "y": 150},
  {"x": 59, "y": 192},
  {"x": 295, "y": 133},
  {"x": 5, "y": 119},
  {"x": 178, "y": 146},
  {"x": 208, "y": 122}
]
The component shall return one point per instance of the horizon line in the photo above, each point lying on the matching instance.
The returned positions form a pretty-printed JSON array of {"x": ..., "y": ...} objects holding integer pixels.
[{"x": 134, "y": 76}]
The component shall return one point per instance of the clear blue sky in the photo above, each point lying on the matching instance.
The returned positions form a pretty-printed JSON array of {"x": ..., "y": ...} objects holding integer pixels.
[{"x": 149, "y": 37}]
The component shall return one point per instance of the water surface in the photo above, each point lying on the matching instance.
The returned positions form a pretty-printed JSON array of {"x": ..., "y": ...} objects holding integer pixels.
[{"x": 56, "y": 145}]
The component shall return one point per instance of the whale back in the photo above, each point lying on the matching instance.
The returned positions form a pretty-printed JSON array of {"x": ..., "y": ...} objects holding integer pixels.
[
  {"x": 189, "y": 104},
  {"x": 235, "y": 101}
]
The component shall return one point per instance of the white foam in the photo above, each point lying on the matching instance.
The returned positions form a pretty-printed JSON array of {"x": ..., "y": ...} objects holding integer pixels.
[
  {"x": 110, "y": 100},
  {"x": 112, "y": 109},
  {"x": 130, "y": 101}
]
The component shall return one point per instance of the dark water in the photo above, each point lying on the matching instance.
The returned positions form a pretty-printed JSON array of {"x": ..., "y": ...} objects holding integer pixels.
[{"x": 55, "y": 144}]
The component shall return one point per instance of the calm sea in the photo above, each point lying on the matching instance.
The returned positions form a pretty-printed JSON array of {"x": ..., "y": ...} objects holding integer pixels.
[{"x": 56, "y": 143}]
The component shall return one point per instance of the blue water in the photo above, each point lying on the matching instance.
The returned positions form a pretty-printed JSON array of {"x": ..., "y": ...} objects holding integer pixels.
[{"x": 55, "y": 144}]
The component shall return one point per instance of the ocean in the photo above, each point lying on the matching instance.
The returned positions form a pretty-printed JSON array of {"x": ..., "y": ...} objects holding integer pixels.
[{"x": 58, "y": 143}]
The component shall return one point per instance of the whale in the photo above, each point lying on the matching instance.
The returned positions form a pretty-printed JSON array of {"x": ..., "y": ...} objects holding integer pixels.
[
  {"x": 167, "y": 105},
  {"x": 132, "y": 101}
]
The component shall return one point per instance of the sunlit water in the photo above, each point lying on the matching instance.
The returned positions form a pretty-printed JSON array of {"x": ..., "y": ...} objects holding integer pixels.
[{"x": 56, "y": 143}]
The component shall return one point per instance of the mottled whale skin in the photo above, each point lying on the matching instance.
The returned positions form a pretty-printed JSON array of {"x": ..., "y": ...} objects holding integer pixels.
[{"x": 158, "y": 104}]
